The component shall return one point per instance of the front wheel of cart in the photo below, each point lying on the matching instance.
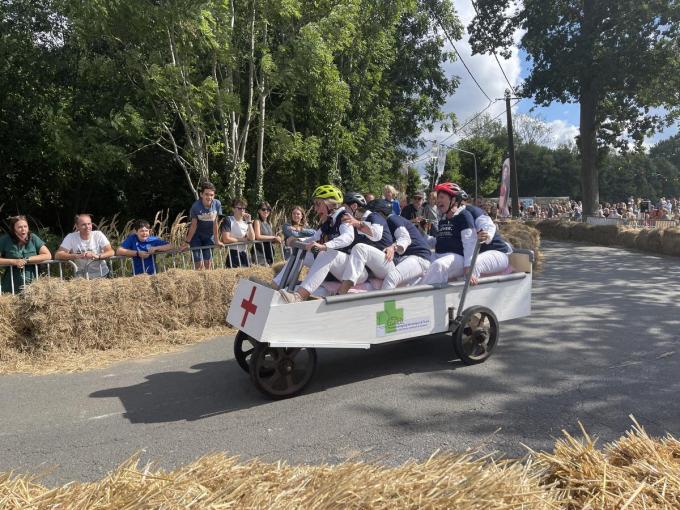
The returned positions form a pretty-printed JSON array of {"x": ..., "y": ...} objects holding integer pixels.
[
  {"x": 244, "y": 347},
  {"x": 477, "y": 335},
  {"x": 281, "y": 372}
]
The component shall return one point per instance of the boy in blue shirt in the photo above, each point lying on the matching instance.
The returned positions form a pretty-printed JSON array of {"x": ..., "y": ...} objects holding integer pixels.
[
  {"x": 203, "y": 231},
  {"x": 142, "y": 246}
]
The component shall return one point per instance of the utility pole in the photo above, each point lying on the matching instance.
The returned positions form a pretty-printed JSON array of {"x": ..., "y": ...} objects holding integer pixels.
[{"x": 511, "y": 155}]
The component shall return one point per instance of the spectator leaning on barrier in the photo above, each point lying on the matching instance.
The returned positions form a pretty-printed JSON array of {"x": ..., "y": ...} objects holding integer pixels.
[
  {"x": 265, "y": 232},
  {"x": 20, "y": 250},
  {"x": 142, "y": 246},
  {"x": 87, "y": 248},
  {"x": 238, "y": 228},
  {"x": 203, "y": 231}
]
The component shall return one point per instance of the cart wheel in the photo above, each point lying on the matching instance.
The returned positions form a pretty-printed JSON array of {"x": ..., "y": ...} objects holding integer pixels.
[
  {"x": 244, "y": 346},
  {"x": 477, "y": 335},
  {"x": 281, "y": 372}
]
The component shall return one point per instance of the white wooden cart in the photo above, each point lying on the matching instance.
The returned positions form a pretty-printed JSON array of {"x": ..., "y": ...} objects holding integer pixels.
[{"x": 277, "y": 341}]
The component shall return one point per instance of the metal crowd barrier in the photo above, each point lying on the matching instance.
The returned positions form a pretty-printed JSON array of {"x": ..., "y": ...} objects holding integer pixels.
[
  {"x": 234, "y": 255},
  {"x": 639, "y": 223}
]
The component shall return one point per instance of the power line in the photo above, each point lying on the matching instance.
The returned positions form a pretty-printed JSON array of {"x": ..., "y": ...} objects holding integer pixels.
[{"x": 461, "y": 58}]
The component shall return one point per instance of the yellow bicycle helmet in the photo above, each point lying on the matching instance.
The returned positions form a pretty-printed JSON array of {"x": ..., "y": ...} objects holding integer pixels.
[{"x": 328, "y": 191}]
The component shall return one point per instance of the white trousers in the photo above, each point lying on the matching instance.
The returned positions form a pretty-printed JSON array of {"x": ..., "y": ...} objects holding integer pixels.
[
  {"x": 406, "y": 272},
  {"x": 444, "y": 267},
  {"x": 330, "y": 261},
  {"x": 307, "y": 261},
  {"x": 491, "y": 261},
  {"x": 365, "y": 256}
]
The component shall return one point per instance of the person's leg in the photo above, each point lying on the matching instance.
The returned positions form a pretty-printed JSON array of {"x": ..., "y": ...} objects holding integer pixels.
[
  {"x": 406, "y": 272},
  {"x": 243, "y": 258},
  {"x": 446, "y": 266},
  {"x": 316, "y": 275},
  {"x": 269, "y": 253},
  {"x": 196, "y": 252},
  {"x": 307, "y": 261},
  {"x": 232, "y": 260},
  {"x": 491, "y": 262},
  {"x": 354, "y": 270}
]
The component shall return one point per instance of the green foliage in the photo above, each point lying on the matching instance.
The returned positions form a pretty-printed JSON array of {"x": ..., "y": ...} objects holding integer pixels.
[
  {"x": 114, "y": 106},
  {"x": 616, "y": 59}
]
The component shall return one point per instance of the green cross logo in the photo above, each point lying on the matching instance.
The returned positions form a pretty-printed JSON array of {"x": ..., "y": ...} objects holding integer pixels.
[{"x": 390, "y": 317}]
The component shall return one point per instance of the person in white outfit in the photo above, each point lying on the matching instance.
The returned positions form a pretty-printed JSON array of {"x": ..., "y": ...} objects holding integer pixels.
[
  {"x": 331, "y": 241},
  {"x": 87, "y": 248},
  {"x": 372, "y": 237}
]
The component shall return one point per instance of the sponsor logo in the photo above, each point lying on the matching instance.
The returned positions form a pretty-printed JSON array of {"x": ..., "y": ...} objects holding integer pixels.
[{"x": 391, "y": 320}]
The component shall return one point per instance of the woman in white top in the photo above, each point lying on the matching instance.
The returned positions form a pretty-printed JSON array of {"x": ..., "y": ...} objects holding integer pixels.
[{"x": 238, "y": 229}]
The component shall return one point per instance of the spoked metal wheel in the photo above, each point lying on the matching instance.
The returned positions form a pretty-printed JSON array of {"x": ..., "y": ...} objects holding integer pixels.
[
  {"x": 244, "y": 346},
  {"x": 281, "y": 372},
  {"x": 477, "y": 335}
]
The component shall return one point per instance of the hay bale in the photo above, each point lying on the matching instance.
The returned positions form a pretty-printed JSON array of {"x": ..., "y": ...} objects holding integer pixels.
[
  {"x": 218, "y": 481},
  {"x": 13, "y": 327},
  {"x": 628, "y": 237},
  {"x": 554, "y": 229},
  {"x": 80, "y": 315},
  {"x": 606, "y": 235},
  {"x": 649, "y": 240},
  {"x": 521, "y": 235},
  {"x": 670, "y": 241}
]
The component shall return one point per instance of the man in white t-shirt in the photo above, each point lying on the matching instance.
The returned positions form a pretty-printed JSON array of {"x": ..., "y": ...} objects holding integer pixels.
[{"x": 87, "y": 248}]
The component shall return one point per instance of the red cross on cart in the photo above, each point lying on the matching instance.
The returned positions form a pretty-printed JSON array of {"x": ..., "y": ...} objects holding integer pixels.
[{"x": 248, "y": 307}]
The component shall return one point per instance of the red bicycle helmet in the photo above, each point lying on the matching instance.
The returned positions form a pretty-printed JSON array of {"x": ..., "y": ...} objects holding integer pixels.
[{"x": 452, "y": 189}]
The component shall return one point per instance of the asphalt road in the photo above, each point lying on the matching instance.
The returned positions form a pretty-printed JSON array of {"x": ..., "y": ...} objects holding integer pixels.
[{"x": 602, "y": 343}]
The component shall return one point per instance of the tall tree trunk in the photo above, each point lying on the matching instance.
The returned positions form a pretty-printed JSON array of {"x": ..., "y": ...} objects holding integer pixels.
[
  {"x": 588, "y": 143},
  {"x": 588, "y": 116},
  {"x": 259, "y": 176}
]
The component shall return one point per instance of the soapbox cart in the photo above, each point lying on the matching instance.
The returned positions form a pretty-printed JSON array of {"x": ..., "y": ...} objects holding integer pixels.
[{"x": 277, "y": 341}]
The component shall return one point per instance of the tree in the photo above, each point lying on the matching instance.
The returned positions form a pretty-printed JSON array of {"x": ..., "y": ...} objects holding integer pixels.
[{"x": 616, "y": 59}]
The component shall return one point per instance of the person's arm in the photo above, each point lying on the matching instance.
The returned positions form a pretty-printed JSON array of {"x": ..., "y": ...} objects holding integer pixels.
[
  {"x": 216, "y": 232},
  {"x": 43, "y": 255},
  {"x": 160, "y": 248},
  {"x": 64, "y": 253},
  {"x": 345, "y": 238},
  {"x": 483, "y": 222},
  {"x": 402, "y": 240},
  {"x": 126, "y": 252},
  {"x": 107, "y": 252},
  {"x": 192, "y": 230}
]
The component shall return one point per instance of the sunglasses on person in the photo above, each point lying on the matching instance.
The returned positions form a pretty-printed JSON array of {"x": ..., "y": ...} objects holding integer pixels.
[{"x": 265, "y": 209}]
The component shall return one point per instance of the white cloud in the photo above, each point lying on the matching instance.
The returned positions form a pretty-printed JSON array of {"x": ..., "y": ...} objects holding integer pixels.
[
  {"x": 562, "y": 133},
  {"x": 468, "y": 99}
]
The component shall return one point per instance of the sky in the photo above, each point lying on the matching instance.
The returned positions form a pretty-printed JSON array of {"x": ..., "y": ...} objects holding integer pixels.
[{"x": 469, "y": 99}]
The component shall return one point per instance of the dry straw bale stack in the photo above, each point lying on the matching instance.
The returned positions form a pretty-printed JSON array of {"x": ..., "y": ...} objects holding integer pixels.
[
  {"x": 649, "y": 240},
  {"x": 628, "y": 237},
  {"x": 554, "y": 229},
  {"x": 635, "y": 472},
  {"x": 670, "y": 242},
  {"x": 521, "y": 235},
  {"x": 217, "y": 481},
  {"x": 79, "y": 315},
  {"x": 13, "y": 326}
]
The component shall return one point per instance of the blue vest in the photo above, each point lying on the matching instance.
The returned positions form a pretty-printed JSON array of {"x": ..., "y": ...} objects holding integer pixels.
[
  {"x": 331, "y": 229},
  {"x": 497, "y": 243},
  {"x": 419, "y": 245},
  {"x": 449, "y": 236},
  {"x": 386, "y": 238}
]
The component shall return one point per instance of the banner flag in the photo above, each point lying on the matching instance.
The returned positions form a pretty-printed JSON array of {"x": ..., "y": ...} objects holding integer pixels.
[{"x": 504, "y": 198}]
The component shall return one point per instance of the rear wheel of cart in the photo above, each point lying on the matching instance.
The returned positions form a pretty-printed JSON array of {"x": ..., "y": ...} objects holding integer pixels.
[
  {"x": 477, "y": 335},
  {"x": 244, "y": 347},
  {"x": 281, "y": 372}
]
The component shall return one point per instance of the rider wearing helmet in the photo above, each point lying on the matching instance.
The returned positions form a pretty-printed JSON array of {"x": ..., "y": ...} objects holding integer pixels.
[
  {"x": 456, "y": 238},
  {"x": 372, "y": 237},
  {"x": 410, "y": 251},
  {"x": 493, "y": 250},
  {"x": 331, "y": 241}
]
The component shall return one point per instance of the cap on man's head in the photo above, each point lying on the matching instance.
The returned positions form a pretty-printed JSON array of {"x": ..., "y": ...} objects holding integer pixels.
[{"x": 418, "y": 194}]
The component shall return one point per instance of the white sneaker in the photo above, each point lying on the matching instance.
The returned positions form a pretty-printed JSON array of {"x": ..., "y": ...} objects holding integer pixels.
[{"x": 290, "y": 297}]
